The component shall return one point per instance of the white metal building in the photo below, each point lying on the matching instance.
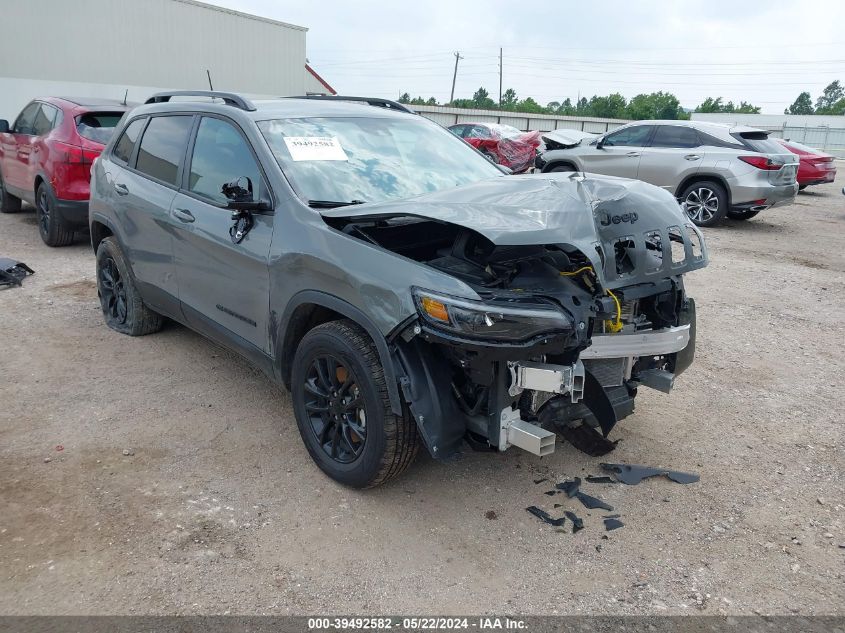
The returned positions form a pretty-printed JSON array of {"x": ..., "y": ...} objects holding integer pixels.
[
  {"x": 102, "y": 48},
  {"x": 446, "y": 116}
]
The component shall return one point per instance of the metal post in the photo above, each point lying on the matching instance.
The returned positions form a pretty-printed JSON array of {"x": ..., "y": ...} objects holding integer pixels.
[
  {"x": 500, "y": 77},
  {"x": 455, "y": 75}
]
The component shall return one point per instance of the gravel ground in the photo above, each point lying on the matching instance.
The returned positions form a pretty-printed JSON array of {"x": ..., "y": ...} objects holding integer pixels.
[{"x": 163, "y": 475}]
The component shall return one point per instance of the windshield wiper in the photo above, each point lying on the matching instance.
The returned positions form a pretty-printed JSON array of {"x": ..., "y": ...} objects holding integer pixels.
[{"x": 331, "y": 204}]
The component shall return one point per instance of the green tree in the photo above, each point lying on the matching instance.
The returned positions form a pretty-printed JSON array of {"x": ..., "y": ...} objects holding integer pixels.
[
  {"x": 711, "y": 105},
  {"x": 803, "y": 104},
  {"x": 404, "y": 98},
  {"x": 552, "y": 107},
  {"x": 832, "y": 99},
  {"x": 610, "y": 107},
  {"x": 566, "y": 108},
  {"x": 583, "y": 107},
  {"x": 529, "y": 105},
  {"x": 482, "y": 99},
  {"x": 509, "y": 99},
  {"x": 715, "y": 105},
  {"x": 657, "y": 105},
  {"x": 431, "y": 101}
]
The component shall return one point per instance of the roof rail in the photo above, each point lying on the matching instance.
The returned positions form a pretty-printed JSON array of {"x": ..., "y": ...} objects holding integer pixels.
[
  {"x": 229, "y": 98},
  {"x": 373, "y": 101}
]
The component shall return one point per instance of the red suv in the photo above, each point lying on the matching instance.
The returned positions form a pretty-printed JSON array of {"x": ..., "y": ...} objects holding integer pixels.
[{"x": 46, "y": 156}]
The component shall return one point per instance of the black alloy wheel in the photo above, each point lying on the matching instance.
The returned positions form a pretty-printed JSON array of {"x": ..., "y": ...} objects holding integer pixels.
[
  {"x": 335, "y": 408},
  {"x": 113, "y": 291}
]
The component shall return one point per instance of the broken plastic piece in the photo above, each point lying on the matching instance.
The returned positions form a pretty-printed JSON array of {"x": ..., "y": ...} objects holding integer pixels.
[
  {"x": 539, "y": 481},
  {"x": 12, "y": 272},
  {"x": 552, "y": 493},
  {"x": 613, "y": 524},
  {"x": 587, "y": 440},
  {"x": 545, "y": 517},
  {"x": 577, "y": 522},
  {"x": 569, "y": 487},
  {"x": 593, "y": 479},
  {"x": 633, "y": 474},
  {"x": 592, "y": 503}
]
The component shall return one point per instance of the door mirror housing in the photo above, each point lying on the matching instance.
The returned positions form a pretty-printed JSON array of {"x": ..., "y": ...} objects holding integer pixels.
[
  {"x": 4, "y": 126},
  {"x": 240, "y": 196},
  {"x": 600, "y": 143}
]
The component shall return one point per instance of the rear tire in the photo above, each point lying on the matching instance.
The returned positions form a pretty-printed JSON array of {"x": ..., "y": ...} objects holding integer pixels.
[
  {"x": 707, "y": 202},
  {"x": 743, "y": 215},
  {"x": 51, "y": 226},
  {"x": 559, "y": 168},
  {"x": 343, "y": 411},
  {"x": 8, "y": 202},
  {"x": 123, "y": 309},
  {"x": 802, "y": 187}
]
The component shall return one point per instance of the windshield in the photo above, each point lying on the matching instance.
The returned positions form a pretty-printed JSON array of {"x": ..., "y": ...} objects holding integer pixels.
[{"x": 371, "y": 159}]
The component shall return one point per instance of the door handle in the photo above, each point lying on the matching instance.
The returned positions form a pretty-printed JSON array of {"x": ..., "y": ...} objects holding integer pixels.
[
  {"x": 632, "y": 154},
  {"x": 184, "y": 215},
  {"x": 692, "y": 157},
  {"x": 121, "y": 189}
]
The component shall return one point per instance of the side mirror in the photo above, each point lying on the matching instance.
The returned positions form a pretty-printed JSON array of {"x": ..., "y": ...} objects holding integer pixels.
[
  {"x": 4, "y": 126},
  {"x": 600, "y": 143},
  {"x": 240, "y": 195}
]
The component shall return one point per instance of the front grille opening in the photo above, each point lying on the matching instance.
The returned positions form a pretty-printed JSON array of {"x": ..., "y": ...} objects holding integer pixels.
[
  {"x": 676, "y": 242},
  {"x": 653, "y": 251},
  {"x": 624, "y": 251},
  {"x": 695, "y": 242}
]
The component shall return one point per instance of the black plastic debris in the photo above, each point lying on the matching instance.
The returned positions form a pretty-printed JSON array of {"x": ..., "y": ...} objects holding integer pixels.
[
  {"x": 613, "y": 524},
  {"x": 569, "y": 488},
  {"x": 12, "y": 273},
  {"x": 539, "y": 481},
  {"x": 587, "y": 440},
  {"x": 591, "y": 503},
  {"x": 552, "y": 493},
  {"x": 594, "y": 479},
  {"x": 545, "y": 516},
  {"x": 577, "y": 522},
  {"x": 632, "y": 474}
]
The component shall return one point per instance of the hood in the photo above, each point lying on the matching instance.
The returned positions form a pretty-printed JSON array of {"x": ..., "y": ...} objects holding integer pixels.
[
  {"x": 590, "y": 213},
  {"x": 563, "y": 138}
]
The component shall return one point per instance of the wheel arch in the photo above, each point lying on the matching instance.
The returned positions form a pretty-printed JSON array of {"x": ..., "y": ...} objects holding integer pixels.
[
  {"x": 101, "y": 228},
  {"x": 699, "y": 177},
  {"x": 310, "y": 308},
  {"x": 560, "y": 162}
]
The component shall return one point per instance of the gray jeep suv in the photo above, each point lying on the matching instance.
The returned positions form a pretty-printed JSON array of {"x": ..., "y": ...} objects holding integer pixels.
[{"x": 401, "y": 286}]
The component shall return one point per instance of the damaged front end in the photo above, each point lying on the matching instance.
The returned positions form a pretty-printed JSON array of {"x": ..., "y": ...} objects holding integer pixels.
[{"x": 579, "y": 301}]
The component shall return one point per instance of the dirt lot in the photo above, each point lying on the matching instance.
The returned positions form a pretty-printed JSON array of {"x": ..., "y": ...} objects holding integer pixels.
[{"x": 217, "y": 508}]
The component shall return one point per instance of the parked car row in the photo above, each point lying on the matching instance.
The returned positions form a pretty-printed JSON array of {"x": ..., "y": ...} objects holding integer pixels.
[{"x": 46, "y": 157}]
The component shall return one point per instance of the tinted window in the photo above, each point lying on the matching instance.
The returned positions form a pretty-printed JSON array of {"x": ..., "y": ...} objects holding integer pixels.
[
  {"x": 126, "y": 145},
  {"x": 458, "y": 130},
  {"x": 163, "y": 146},
  {"x": 675, "y": 136},
  {"x": 44, "y": 119},
  {"x": 97, "y": 126},
  {"x": 636, "y": 136},
  {"x": 759, "y": 142},
  {"x": 221, "y": 155},
  {"x": 23, "y": 124}
]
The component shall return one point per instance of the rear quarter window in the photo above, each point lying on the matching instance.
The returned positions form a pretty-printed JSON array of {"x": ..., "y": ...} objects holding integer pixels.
[
  {"x": 126, "y": 144},
  {"x": 759, "y": 142},
  {"x": 97, "y": 126}
]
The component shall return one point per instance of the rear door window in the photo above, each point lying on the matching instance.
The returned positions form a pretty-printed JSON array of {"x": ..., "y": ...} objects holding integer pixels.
[
  {"x": 163, "y": 147},
  {"x": 635, "y": 136},
  {"x": 678, "y": 136},
  {"x": 97, "y": 126},
  {"x": 45, "y": 118},
  {"x": 220, "y": 156},
  {"x": 126, "y": 144}
]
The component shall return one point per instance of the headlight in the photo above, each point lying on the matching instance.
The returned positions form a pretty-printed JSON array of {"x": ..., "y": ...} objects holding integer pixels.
[{"x": 478, "y": 319}]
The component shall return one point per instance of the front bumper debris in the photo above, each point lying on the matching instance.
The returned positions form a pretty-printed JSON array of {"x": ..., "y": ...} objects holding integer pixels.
[{"x": 652, "y": 343}]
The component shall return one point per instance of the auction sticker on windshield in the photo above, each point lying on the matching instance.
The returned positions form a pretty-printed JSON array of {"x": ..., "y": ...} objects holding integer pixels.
[{"x": 315, "y": 148}]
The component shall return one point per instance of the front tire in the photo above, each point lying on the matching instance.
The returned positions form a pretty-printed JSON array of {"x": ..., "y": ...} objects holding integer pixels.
[
  {"x": 743, "y": 215},
  {"x": 8, "y": 202},
  {"x": 706, "y": 203},
  {"x": 51, "y": 226},
  {"x": 123, "y": 308},
  {"x": 560, "y": 168},
  {"x": 343, "y": 411}
]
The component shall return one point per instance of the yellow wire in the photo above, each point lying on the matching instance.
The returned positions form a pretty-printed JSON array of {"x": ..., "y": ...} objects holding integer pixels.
[
  {"x": 617, "y": 326},
  {"x": 613, "y": 326}
]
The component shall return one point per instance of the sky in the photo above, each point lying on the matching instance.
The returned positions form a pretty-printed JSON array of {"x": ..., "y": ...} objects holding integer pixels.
[{"x": 765, "y": 53}]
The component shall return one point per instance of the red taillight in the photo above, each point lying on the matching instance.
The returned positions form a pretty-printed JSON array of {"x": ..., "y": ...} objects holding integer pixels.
[
  {"x": 761, "y": 162},
  {"x": 73, "y": 154}
]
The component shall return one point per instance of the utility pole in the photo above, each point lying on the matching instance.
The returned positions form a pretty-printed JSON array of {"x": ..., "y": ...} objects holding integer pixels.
[
  {"x": 500, "y": 77},
  {"x": 455, "y": 76}
]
